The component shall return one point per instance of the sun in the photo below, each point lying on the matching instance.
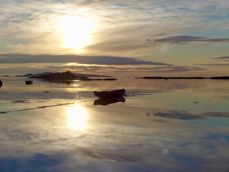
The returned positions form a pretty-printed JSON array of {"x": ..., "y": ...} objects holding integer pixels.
[{"x": 76, "y": 32}]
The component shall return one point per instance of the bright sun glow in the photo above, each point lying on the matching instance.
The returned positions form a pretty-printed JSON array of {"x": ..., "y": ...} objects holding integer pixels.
[
  {"x": 76, "y": 117},
  {"x": 75, "y": 31}
]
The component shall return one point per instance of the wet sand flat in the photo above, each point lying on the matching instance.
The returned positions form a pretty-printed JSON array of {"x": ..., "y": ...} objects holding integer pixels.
[{"x": 183, "y": 127}]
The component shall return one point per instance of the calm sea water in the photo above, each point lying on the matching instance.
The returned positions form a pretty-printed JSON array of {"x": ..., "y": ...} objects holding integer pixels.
[{"x": 173, "y": 125}]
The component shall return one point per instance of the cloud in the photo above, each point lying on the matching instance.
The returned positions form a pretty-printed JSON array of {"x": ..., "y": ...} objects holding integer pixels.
[
  {"x": 176, "y": 68},
  {"x": 101, "y": 60},
  {"x": 123, "y": 25},
  {"x": 96, "y": 64},
  {"x": 183, "y": 39},
  {"x": 222, "y": 62},
  {"x": 216, "y": 64},
  {"x": 143, "y": 68},
  {"x": 222, "y": 58}
]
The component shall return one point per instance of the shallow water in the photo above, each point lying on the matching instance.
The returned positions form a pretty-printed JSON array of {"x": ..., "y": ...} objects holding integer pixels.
[{"x": 177, "y": 125}]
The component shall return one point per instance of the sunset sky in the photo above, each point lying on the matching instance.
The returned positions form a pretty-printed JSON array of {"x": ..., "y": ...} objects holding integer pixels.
[{"x": 179, "y": 32}]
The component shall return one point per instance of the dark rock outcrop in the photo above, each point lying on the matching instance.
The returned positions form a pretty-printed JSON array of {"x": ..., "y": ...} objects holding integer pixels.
[{"x": 66, "y": 77}]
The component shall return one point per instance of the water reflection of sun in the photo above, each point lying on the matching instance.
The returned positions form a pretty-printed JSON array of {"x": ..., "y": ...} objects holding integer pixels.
[{"x": 77, "y": 116}]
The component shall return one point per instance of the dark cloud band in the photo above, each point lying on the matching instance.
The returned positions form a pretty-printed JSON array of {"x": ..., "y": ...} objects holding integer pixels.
[
  {"x": 98, "y": 60},
  {"x": 180, "y": 39}
]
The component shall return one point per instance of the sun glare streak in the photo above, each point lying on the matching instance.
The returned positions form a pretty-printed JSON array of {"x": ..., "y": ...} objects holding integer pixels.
[
  {"x": 76, "y": 32},
  {"x": 77, "y": 116}
]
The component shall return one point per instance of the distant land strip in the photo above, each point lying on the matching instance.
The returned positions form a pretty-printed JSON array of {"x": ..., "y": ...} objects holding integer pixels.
[{"x": 177, "y": 77}]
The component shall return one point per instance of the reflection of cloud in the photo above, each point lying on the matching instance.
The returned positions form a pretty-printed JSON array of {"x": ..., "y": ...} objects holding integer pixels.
[
  {"x": 176, "y": 114},
  {"x": 217, "y": 137},
  {"x": 35, "y": 162},
  {"x": 185, "y": 115},
  {"x": 181, "y": 39},
  {"x": 226, "y": 97}
]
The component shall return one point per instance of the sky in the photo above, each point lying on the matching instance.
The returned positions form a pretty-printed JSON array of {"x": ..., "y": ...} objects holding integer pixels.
[{"x": 182, "y": 33}]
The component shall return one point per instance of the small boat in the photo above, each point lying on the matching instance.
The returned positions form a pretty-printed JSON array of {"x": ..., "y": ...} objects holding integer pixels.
[
  {"x": 28, "y": 82},
  {"x": 110, "y": 94},
  {"x": 0, "y": 83}
]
